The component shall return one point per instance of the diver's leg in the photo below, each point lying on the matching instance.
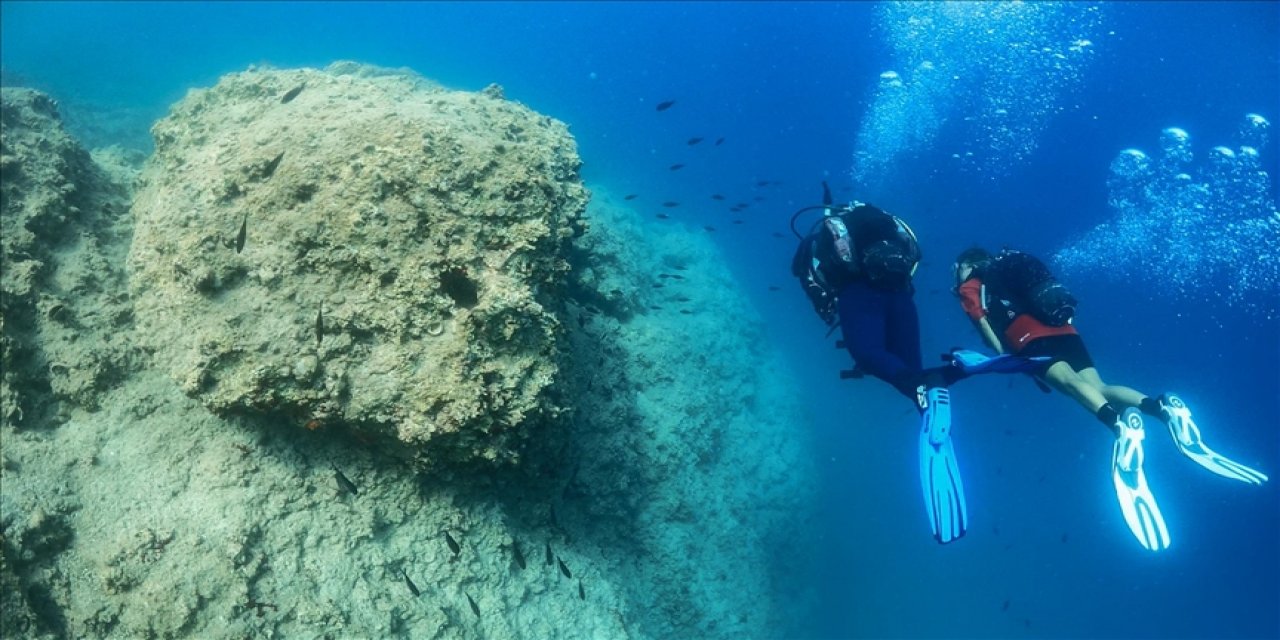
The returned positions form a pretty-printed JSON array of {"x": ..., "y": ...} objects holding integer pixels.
[
  {"x": 1116, "y": 394},
  {"x": 865, "y": 317}
]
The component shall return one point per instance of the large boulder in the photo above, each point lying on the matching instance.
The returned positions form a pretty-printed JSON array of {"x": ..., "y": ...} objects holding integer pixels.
[{"x": 359, "y": 250}]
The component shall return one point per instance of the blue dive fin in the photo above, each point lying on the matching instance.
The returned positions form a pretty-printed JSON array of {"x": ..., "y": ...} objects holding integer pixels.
[
  {"x": 973, "y": 363},
  {"x": 939, "y": 472}
]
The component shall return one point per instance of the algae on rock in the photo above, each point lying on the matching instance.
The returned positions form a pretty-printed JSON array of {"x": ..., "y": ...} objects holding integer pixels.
[{"x": 374, "y": 252}]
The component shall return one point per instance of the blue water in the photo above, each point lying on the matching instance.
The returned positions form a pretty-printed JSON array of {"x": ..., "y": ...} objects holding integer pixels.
[{"x": 790, "y": 87}]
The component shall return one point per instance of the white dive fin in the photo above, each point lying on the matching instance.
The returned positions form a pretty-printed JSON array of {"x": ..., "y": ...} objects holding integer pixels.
[
  {"x": 1136, "y": 502},
  {"x": 1187, "y": 436}
]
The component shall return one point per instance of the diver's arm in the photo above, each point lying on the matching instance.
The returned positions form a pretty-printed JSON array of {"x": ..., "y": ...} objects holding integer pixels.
[{"x": 988, "y": 335}]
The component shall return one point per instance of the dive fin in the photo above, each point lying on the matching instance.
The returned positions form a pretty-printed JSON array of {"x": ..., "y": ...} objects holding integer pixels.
[
  {"x": 1141, "y": 512},
  {"x": 1187, "y": 436},
  {"x": 939, "y": 473},
  {"x": 973, "y": 363}
]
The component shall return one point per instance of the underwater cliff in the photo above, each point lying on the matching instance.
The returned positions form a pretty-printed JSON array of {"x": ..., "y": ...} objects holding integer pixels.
[{"x": 354, "y": 355}]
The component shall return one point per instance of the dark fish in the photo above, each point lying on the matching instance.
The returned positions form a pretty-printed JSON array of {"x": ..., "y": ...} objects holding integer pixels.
[
  {"x": 343, "y": 482},
  {"x": 1064, "y": 538},
  {"x": 716, "y": 196},
  {"x": 515, "y": 551},
  {"x": 676, "y": 167},
  {"x": 270, "y": 169},
  {"x": 759, "y": 198},
  {"x": 244, "y": 228},
  {"x": 666, "y": 104},
  {"x": 737, "y": 221},
  {"x": 742, "y": 205},
  {"x": 564, "y": 568},
  {"x": 775, "y": 288},
  {"x": 677, "y": 276},
  {"x": 292, "y": 93},
  {"x": 319, "y": 324},
  {"x": 762, "y": 183},
  {"x": 474, "y": 609},
  {"x": 657, "y": 285},
  {"x": 668, "y": 204},
  {"x": 630, "y": 196},
  {"x": 686, "y": 312},
  {"x": 683, "y": 299},
  {"x": 679, "y": 267},
  {"x": 663, "y": 216},
  {"x": 693, "y": 141},
  {"x": 582, "y": 594},
  {"x": 453, "y": 544},
  {"x": 719, "y": 141},
  {"x": 412, "y": 587},
  {"x": 1005, "y": 606},
  {"x": 665, "y": 275},
  {"x": 550, "y": 557},
  {"x": 709, "y": 228},
  {"x": 655, "y": 308},
  {"x": 778, "y": 234}
]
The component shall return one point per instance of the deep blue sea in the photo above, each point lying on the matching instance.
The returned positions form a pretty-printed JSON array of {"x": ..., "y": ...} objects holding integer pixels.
[{"x": 1000, "y": 127}]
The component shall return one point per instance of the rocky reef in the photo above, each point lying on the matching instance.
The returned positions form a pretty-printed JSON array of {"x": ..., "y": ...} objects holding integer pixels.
[
  {"x": 363, "y": 250},
  {"x": 420, "y": 280}
]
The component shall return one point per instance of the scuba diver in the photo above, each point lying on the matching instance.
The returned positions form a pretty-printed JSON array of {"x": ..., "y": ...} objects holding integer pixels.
[
  {"x": 1019, "y": 307},
  {"x": 856, "y": 265}
]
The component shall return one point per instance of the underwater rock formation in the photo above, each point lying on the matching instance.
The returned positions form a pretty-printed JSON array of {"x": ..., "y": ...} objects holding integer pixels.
[
  {"x": 64, "y": 311},
  {"x": 359, "y": 250}
]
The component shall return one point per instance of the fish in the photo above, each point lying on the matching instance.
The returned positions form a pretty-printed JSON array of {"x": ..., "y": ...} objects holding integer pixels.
[
  {"x": 244, "y": 228},
  {"x": 550, "y": 557},
  {"x": 677, "y": 276},
  {"x": 319, "y": 324},
  {"x": 412, "y": 587},
  {"x": 778, "y": 234},
  {"x": 762, "y": 183},
  {"x": 657, "y": 285},
  {"x": 270, "y": 169},
  {"x": 292, "y": 93},
  {"x": 670, "y": 203},
  {"x": 716, "y": 196},
  {"x": 759, "y": 198},
  {"x": 515, "y": 551},
  {"x": 679, "y": 267},
  {"x": 676, "y": 167},
  {"x": 665, "y": 275},
  {"x": 742, "y": 205},
  {"x": 582, "y": 594},
  {"x": 683, "y": 299},
  {"x": 737, "y": 221},
  {"x": 564, "y": 568},
  {"x": 719, "y": 141},
  {"x": 686, "y": 312},
  {"x": 474, "y": 608},
  {"x": 345, "y": 483},
  {"x": 663, "y": 216},
  {"x": 1005, "y": 606},
  {"x": 630, "y": 196},
  {"x": 693, "y": 141},
  {"x": 710, "y": 228},
  {"x": 453, "y": 544},
  {"x": 1064, "y": 538},
  {"x": 774, "y": 287},
  {"x": 666, "y": 104}
]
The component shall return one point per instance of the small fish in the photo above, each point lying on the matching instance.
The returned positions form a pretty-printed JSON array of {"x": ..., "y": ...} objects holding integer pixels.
[
  {"x": 657, "y": 285},
  {"x": 582, "y": 594},
  {"x": 693, "y": 141},
  {"x": 719, "y": 141},
  {"x": 292, "y": 93},
  {"x": 453, "y": 544},
  {"x": 550, "y": 557},
  {"x": 630, "y": 196},
  {"x": 663, "y": 216},
  {"x": 1005, "y": 606},
  {"x": 515, "y": 551},
  {"x": 319, "y": 324},
  {"x": 1064, "y": 538},
  {"x": 686, "y": 312},
  {"x": 666, "y": 104},
  {"x": 677, "y": 276},
  {"x": 759, "y": 198},
  {"x": 665, "y": 275},
  {"x": 709, "y": 228},
  {"x": 762, "y": 183},
  {"x": 778, "y": 234},
  {"x": 668, "y": 204},
  {"x": 737, "y": 221},
  {"x": 742, "y": 205},
  {"x": 683, "y": 299},
  {"x": 343, "y": 482},
  {"x": 564, "y": 568},
  {"x": 270, "y": 169},
  {"x": 716, "y": 196},
  {"x": 244, "y": 228},
  {"x": 655, "y": 308},
  {"x": 679, "y": 267},
  {"x": 412, "y": 587},
  {"x": 474, "y": 608},
  {"x": 775, "y": 288},
  {"x": 676, "y": 167}
]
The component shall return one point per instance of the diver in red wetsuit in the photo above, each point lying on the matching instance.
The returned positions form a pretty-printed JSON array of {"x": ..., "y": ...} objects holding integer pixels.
[{"x": 1019, "y": 307}]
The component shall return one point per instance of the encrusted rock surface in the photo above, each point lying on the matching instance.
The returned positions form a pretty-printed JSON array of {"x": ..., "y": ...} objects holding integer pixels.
[
  {"x": 401, "y": 252},
  {"x": 64, "y": 312}
]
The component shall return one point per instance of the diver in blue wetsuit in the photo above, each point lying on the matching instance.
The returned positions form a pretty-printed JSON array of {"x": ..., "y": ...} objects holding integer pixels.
[{"x": 856, "y": 266}]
